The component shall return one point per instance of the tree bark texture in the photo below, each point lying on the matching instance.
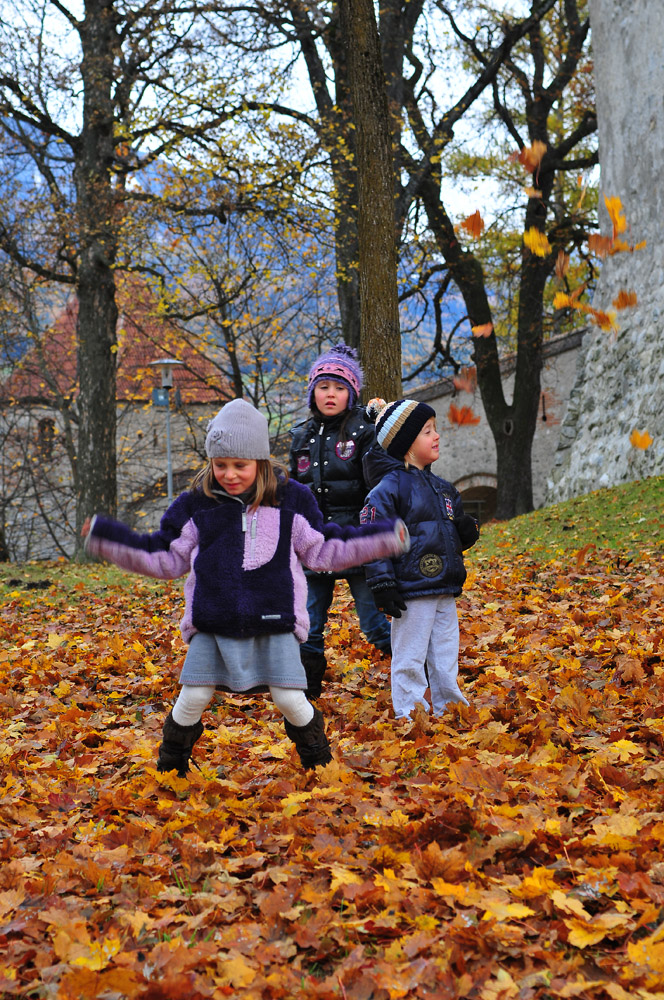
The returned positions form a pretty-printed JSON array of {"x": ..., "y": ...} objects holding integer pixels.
[
  {"x": 97, "y": 309},
  {"x": 338, "y": 138},
  {"x": 380, "y": 339}
]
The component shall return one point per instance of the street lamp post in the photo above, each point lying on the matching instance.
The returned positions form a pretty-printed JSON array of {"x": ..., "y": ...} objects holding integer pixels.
[{"x": 166, "y": 366}]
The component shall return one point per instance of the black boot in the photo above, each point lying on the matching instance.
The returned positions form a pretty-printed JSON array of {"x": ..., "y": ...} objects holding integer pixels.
[
  {"x": 310, "y": 741},
  {"x": 177, "y": 744},
  {"x": 314, "y": 667}
]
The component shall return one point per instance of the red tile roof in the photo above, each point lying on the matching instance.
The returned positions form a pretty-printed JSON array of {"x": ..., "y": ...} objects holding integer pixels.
[{"x": 143, "y": 336}]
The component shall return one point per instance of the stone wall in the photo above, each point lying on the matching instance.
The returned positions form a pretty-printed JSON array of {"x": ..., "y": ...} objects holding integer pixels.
[
  {"x": 468, "y": 452},
  {"x": 620, "y": 382}
]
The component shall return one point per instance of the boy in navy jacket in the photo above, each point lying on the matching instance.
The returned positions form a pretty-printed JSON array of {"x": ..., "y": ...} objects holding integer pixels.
[{"x": 418, "y": 588}]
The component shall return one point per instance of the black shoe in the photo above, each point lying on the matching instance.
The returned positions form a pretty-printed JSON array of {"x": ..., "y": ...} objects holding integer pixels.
[
  {"x": 177, "y": 745},
  {"x": 314, "y": 667},
  {"x": 310, "y": 741}
]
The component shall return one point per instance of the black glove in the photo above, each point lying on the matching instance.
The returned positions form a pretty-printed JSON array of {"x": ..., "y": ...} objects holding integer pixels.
[
  {"x": 468, "y": 529},
  {"x": 389, "y": 600}
]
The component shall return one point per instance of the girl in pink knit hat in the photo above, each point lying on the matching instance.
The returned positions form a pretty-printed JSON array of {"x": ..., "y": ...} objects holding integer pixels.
[{"x": 326, "y": 455}]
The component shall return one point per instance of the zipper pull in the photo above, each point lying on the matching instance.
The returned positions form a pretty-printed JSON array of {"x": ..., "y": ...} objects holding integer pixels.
[
  {"x": 253, "y": 525},
  {"x": 244, "y": 519},
  {"x": 320, "y": 430}
]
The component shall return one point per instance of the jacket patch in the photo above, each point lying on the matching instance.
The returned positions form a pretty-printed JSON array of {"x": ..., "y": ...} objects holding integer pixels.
[
  {"x": 345, "y": 449},
  {"x": 303, "y": 461},
  {"x": 367, "y": 514},
  {"x": 449, "y": 508},
  {"x": 430, "y": 564}
]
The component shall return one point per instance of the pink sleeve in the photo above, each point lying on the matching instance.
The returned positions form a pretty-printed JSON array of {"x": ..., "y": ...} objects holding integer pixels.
[
  {"x": 320, "y": 554},
  {"x": 165, "y": 564}
]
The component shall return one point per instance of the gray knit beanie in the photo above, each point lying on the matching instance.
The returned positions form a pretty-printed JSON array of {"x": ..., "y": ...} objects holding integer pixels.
[{"x": 238, "y": 431}]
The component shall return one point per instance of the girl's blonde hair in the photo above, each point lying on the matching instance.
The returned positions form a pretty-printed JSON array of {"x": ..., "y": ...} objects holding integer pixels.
[{"x": 269, "y": 477}]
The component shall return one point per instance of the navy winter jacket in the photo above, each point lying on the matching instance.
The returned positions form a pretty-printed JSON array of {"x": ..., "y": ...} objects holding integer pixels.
[{"x": 439, "y": 528}]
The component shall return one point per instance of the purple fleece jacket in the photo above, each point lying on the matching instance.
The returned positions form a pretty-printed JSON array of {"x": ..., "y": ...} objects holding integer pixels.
[{"x": 244, "y": 567}]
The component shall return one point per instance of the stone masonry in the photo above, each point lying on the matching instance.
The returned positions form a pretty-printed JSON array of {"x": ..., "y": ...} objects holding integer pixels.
[{"x": 620, "y": 379}]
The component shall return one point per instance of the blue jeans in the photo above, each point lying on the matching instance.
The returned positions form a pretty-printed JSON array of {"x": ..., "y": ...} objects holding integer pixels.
[{"x": 373, "y": 622}]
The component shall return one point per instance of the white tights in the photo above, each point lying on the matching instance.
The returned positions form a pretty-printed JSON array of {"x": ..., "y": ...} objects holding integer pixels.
[{"x": 193, "y": 700}]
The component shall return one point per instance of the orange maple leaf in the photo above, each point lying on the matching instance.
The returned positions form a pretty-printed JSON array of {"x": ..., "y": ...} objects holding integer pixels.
[
  {"x": 640, "y": 439},
  {"x": 484, "y": 330},
  {"x": 473, "y": 224},
  {"x": 462, "y": 415},
  {"x": 624, "y": 300}
]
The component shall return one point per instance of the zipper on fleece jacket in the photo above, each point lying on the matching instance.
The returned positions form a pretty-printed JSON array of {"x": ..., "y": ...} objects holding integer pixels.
[{"x": 254, "y": 525}]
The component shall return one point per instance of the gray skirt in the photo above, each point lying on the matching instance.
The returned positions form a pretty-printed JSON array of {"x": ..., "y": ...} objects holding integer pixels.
[{"x": 244, "y": 665}]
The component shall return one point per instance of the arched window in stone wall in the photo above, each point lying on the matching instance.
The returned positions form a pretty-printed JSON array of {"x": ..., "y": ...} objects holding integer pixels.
[{"x": 478, "y": 493}]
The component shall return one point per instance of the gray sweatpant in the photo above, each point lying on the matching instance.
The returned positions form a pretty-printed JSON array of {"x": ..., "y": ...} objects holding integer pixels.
[{"x": 428, "y": 630}]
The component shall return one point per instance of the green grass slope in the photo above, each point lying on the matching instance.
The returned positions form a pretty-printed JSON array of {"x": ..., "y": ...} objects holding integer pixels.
[{"x": 625, "y": 519}]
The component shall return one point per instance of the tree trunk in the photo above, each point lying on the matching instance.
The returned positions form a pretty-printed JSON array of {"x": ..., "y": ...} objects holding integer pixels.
[
  {"x": 97, "y": 310},
  {"x": 512, "y": 424},
  {"x": 347, "y": 251},
  {"x": 380, "y": 338}
]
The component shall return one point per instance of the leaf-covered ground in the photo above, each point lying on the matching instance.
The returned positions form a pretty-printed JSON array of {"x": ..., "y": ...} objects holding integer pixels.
[{"x": 512, "y": 850}]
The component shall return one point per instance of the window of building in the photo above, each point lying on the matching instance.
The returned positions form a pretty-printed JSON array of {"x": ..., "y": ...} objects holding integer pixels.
[{"x": 46, "y": 436}]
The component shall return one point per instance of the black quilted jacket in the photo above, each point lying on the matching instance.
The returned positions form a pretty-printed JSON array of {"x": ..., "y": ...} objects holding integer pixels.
[{"x": 329, "y": 462}]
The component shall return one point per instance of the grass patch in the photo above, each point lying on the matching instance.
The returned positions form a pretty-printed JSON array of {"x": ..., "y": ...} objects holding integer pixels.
[
  {"x": 625, "y": 519},
  {"x": 67, "y": 583}
]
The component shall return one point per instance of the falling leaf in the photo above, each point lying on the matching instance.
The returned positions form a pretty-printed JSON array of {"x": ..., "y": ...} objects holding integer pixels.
[
  {"x": 473, "y": 224},
  {"x": 640, "y": 439},
  {"x": 562, "y": 301},
  {"x": 562, "y": 264},
  {"x": 483, "y": 330},
  {"x": 600, "y": 245},
  {"x": 537, "y": 242},
  {"x": 604, "y": 320},
  {"x": 466, "y": 380},
  {"x": 462, "y": 415},
  {"x": 624, "y": 300},
  {"x": 531, "y": 156},
  {"x": 533, "y": 192},
  {"x": 615, "y": 209}
]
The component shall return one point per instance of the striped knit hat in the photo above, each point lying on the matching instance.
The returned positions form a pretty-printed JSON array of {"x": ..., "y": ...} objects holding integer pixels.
[
  {"x": 399, "y": 423},
  {"x": 339, "y": 364}
]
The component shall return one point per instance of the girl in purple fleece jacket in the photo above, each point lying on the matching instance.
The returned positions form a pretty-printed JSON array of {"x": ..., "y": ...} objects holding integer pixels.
[{"x": 241, "y": 534}]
